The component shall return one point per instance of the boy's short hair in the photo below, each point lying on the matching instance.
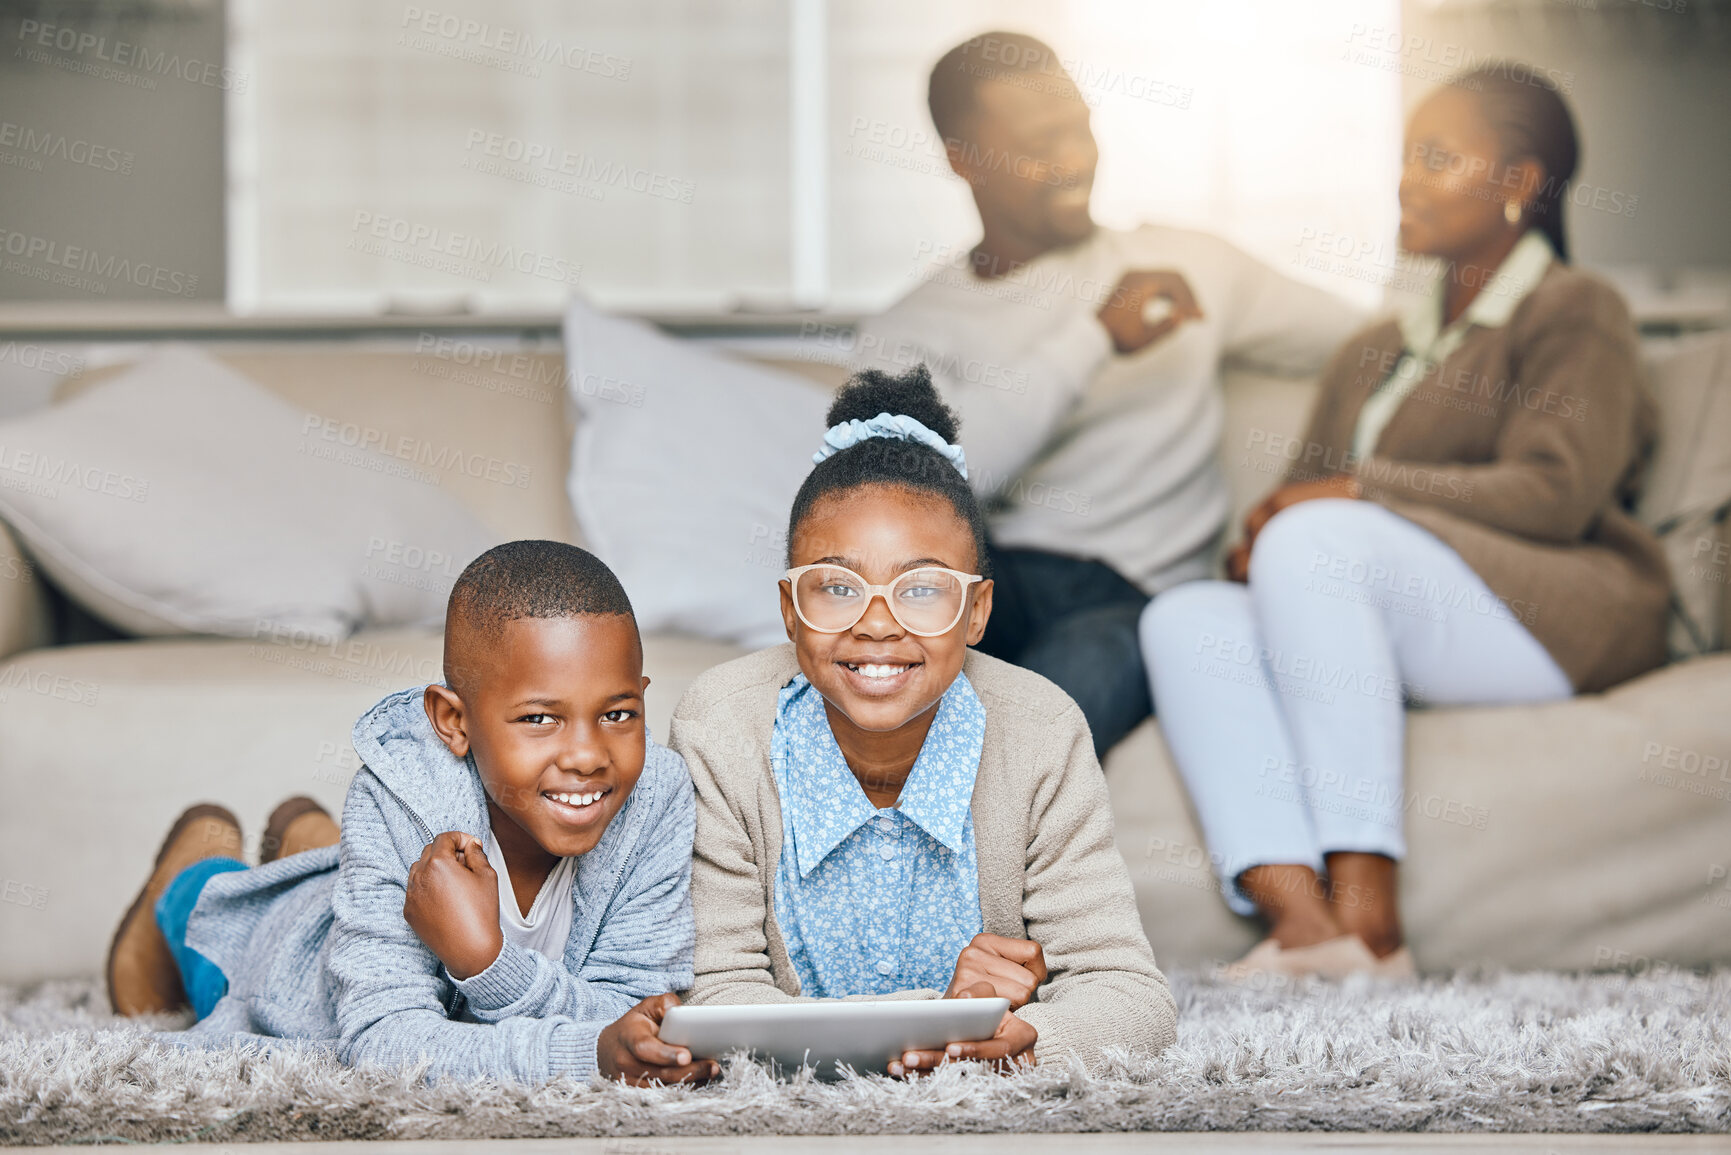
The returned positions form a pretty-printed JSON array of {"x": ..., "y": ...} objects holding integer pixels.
[{"x": 528, "y": 579}]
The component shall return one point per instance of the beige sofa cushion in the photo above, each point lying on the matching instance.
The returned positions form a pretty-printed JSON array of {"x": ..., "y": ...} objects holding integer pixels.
[
  {"x": 181, "y": 497},
  {"x": 518, "y": 417},
  {"x": 101, "y": 746},
  {"x": 1565, "y": 835},
  {"x": 512, "y": 409},
  {"x": 1688, "y": 486}
]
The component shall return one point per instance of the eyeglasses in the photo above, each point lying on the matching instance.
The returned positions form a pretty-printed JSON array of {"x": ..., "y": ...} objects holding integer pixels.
[{"x": 832, "y": 598}]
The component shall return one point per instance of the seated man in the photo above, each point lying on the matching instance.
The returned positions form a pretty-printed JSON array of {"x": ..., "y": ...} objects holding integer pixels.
[{"x": 1085, "y": 363}]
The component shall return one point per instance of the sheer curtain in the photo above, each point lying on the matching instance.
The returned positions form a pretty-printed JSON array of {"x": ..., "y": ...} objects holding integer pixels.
[{"x": 697, "y": 155}]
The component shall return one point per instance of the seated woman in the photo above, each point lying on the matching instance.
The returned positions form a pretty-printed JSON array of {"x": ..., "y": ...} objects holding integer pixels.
[
  {"x": 1452, "y": 532},
  {"x": 883, "y": 813}
]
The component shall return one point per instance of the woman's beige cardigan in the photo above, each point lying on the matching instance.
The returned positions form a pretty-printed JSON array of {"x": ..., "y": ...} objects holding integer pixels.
[
  {"x": 1048, "y": 867},
  {"x": 1520, "y": 451}
]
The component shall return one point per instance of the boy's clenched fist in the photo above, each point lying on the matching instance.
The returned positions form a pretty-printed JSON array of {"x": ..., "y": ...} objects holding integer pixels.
[{"x": 452, "y": 903}]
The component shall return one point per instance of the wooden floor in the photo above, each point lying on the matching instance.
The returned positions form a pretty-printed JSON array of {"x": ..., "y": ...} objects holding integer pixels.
[{"x": 1234, "y": 1143}]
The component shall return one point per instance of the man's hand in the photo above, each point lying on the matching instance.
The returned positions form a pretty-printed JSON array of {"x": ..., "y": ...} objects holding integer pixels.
[
  {"x": 1010, "y": 1047},
  {"x": 452, "y": 903},
  {"x": 631, "y": 1049},
  {"x": 1338, "y": 485},
  {"x": 1012, "y": 967},
  {"x": 1126, "y": 313}
]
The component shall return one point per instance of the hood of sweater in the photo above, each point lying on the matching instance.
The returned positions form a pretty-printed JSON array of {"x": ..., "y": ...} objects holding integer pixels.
[{"x": 440, "y": 792}]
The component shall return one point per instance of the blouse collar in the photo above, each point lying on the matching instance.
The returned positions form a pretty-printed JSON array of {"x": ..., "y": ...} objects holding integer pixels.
[
  {"x": 1421, "y": 326},
  {"x": 827, "y": 803}
]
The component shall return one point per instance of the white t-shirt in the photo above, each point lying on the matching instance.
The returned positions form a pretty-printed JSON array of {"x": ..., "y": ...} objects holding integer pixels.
[
  {"x": 548, "y": 923},
  {"x": 1078, "y": 450}
]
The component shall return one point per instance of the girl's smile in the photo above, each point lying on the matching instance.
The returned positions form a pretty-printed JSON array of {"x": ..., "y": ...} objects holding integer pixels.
[{"x": 880, "y": 683}]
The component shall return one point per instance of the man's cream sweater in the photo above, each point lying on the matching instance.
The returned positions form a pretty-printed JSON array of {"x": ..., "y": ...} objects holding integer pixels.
[{"x": 1048, "y": 867}]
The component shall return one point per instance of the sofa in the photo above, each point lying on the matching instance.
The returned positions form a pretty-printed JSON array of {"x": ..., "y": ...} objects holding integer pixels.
[{"x": 1592, "y": 833}]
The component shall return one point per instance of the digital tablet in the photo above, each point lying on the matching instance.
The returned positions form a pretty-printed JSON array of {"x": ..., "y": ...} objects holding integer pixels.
[{"x": 861, "y": 1035}]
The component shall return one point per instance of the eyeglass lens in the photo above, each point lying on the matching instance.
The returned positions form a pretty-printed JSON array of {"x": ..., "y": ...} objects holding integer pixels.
[{"x": 923, "y": 600}]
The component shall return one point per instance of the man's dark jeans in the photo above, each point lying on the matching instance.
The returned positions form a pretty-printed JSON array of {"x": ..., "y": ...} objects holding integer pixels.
[{"x": 1074, "y": 622}]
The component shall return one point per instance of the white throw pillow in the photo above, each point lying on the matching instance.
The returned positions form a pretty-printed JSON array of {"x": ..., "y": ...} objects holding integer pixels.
[
  {"x": 180, "y": 497},
  {"x": 684, "y": 471},
  {"x": 1688, "y": 486}
]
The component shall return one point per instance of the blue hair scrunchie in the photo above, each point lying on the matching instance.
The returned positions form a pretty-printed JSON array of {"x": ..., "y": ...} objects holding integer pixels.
[{"x": 897, "y": 425}]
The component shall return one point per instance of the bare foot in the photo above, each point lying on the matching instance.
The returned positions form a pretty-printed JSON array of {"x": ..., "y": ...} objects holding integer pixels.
[
  {"x": 1295, "y": 902},
  {"x": 1363, "y": 896}
]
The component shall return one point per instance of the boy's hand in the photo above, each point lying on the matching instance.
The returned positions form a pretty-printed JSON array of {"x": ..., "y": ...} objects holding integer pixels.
[
  {"x": 452, "y": 903},
  {"x": 631, "y": 1049},
  {"x": 1013, "y": 967},
  {"x": 1010, "y": 1047}
]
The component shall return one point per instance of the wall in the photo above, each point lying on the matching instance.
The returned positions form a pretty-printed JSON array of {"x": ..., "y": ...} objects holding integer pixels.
[
  {"x": 1651, "y": 89},
  {"x": 111, "y": 161}
]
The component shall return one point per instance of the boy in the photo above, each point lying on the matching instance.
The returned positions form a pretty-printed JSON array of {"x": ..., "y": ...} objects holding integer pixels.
[{"x": 513, "y": 872}]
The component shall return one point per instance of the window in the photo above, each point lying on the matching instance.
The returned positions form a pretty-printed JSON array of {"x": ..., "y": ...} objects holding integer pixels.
[{"x": 696, "y": 155}]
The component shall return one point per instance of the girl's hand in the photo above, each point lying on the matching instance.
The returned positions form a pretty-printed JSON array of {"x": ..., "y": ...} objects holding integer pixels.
[
  {"x": 1010, "y": 1048},
  {"x": 1013, "y": 968},
  {"x": 1287, "y": 496},
  {"x": 452, "y": 903},
  {"x": 631, "y": 1049}
]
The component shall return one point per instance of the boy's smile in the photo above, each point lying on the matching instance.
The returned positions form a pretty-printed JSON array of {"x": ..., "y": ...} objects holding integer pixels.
[{"x": 552, "y": 711}]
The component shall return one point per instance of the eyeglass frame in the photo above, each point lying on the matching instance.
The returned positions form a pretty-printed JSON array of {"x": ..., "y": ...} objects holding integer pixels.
[{"x": 872, "y": 592}]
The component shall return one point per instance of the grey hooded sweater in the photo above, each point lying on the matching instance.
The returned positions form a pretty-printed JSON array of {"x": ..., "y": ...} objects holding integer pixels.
[{"x": 316, "y": 949}]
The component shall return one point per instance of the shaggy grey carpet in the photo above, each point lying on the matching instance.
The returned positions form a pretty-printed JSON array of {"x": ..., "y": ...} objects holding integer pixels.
[{"x": 1486, "y": 1052}]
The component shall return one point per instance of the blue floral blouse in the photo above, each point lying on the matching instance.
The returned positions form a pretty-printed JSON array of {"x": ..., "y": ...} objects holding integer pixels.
[{"x": 872, "y": 901}]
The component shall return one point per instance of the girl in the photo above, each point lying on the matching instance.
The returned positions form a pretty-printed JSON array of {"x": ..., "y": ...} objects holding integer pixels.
[
  {"x": 1454, "y": 532},
  {"x": 884, "y": 814}
]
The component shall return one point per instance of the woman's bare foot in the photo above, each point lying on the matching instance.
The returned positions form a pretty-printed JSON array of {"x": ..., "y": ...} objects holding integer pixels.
[
  {"x": 1363, "y": 893},
  {"x": 142, "y": 976},
  {"x": 1295, "y": 902},
  {"x": 295, "y": 825}
]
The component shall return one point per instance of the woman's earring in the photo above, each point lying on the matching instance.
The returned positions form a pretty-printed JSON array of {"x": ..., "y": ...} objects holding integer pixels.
[{"x": 1512, "y": 212}]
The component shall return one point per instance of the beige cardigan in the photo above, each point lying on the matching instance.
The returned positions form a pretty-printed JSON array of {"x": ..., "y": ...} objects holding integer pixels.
[
  {"x": 1518, "y": 451},
  {"x": 1048, "y": 867}
]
